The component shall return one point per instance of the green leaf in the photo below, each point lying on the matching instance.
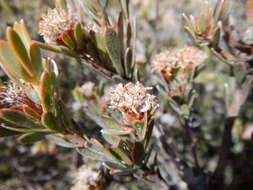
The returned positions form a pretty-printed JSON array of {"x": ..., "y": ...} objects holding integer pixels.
[
  {"x": 188, "y": 22},
  {"x": 31, "y": 138},
  {"x": 111, "y": 123},
  {"x": 114, "y": 166},
  {"x": 67, "y": 52},
  {"x": 17, "y": 128},
  {"x": 113, "y": 48},
  {"x": 112, "y": 139},
  {"x": 203, "y": 24},
  {"x": 19, "y": 119},
  {"x": 216, "y": 37},
  {"x": 129, "y": 34},
  {"x": 5, "y": 132},
  {"x": 46, "y": 91},
  {"x": 121, "y": 32},
  {"x": 48, "y": 47},
  {"x": 145, "y": 127},
  {"x": 90, "y": 11},
  {"x": 61, "y": 142},
  {"x": 99, "y": 41},
  {"x": 115, "y": 132},
  {"x": 185, "y": 110},
  {"x": 218, "y": 11},
  {"x": 101, "y": 149},
  {"x": 56, "y": 49},
  {"x": 68, "y": 41},
  {"x": 36, "y": 59},
  {"x": 122, "y": 156},
  {"x": 138, "y": 153},
  {"x": 50, "y": 122},
  {"x": 10, "y": 64},
  {"x": 128, "y": 60},
  {"x": 90, "y": 154},
  {"x": 19, "y": 50},
  {"x": 79, "y": 35},
  {"x": 149, "y": 133},
  {"x": 22, "y": 31}
]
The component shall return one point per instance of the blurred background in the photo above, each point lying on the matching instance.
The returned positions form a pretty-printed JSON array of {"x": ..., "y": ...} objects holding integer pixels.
[{"x": 44, "y": 166}]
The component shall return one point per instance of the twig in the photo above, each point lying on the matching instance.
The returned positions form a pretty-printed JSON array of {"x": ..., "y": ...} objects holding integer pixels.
[
  {"x": 239, "y": 98},
  {"x": 192, "y": 141},
  {"x": 218, "y": 175}
]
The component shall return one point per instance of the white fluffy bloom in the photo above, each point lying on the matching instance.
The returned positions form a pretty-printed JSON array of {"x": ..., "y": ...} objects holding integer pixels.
[
  {"x": 169, "y": 61},
  {"x": 12, "y": 95},
  {"x": 132, "y": 100},
  {"x": 56, "y": 22},
  {"x": 87, "y": 177}
]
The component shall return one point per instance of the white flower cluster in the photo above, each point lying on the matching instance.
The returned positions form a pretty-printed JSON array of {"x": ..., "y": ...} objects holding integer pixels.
[
  {"x": 87, "y": 177},
  {"x": 187, "y": 57},
  {"x": 12, "y": 95},
  {"x": 132, "y": 99},
  {"x": 56, "y": 22}
]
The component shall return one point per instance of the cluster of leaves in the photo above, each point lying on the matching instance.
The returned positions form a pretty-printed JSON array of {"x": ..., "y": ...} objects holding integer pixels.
[{"x": 39, "y": 112}]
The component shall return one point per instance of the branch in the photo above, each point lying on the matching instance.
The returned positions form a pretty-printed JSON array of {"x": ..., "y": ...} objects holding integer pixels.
[{"x": 239, "y": 98}]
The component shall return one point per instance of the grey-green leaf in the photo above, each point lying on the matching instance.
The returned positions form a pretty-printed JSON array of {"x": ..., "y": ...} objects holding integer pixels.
[{"x": 113, "y": 48}]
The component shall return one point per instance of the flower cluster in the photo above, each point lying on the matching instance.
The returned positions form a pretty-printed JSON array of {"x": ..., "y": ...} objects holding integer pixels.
[
  {"x": 132, "y": 100},
  {"x": 12, "y": 95},
  {"x": 178, "y": 67},
  {"x": 55, "y": 23},
  {"x": 88, "y": 177},
  {"x": 168, "y": 63}
]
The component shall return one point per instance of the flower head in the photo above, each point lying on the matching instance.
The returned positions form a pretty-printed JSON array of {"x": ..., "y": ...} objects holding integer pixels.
[
  {"x": 168, "y": 63},
  {"x": 11, "y": 95},
  {"x": 87, "y": 177},
  {"x": 15, "y": 97},
  {"x": 132, "y": 100},
  {"x": 55, "y": 23}
]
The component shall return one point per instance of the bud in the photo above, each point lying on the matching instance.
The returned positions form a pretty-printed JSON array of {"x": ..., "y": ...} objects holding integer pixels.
[{"x": 205, "y": 28}]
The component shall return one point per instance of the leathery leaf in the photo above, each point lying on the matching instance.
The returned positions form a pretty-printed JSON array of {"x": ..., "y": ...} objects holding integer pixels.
[
  {"x": 114, "y": 50},
  {"x": 19, "y": 119},
  {"x": 20, "y": 51},
  {"x": 46, "y": 91},
  {"x": 30, "y": 138},
  {"x": 10, "y": 64}
]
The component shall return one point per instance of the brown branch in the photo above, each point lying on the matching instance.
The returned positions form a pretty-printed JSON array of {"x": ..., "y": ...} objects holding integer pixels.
[
  {"x": 239, "y": 98},
  {"x": 217, "y": 178}
]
